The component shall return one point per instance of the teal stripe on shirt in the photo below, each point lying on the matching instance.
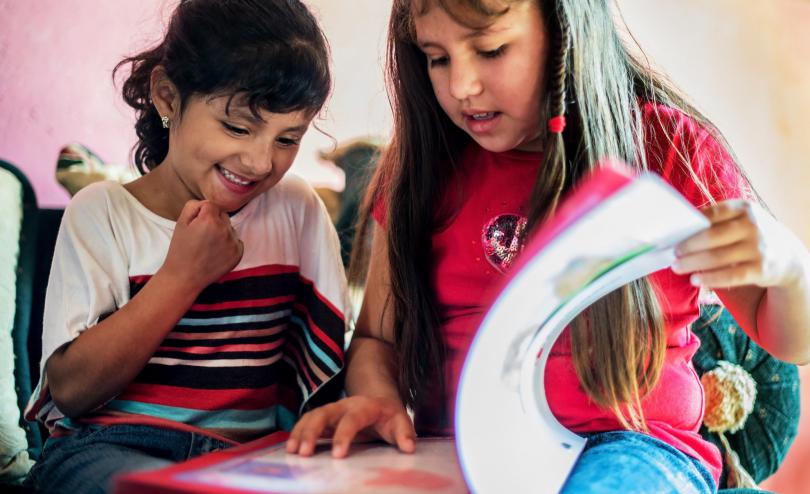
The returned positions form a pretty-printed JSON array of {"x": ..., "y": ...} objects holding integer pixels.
[
  {"x": 264, "y": 419},
  {"x": 217, "y": 321},
  {"x": 286, "y": 419}
]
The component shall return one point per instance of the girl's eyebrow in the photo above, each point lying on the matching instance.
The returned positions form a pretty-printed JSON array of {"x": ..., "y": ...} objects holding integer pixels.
[
  {"x": 297, "y": 129},
  {"x": 240, "y": 112},
  {"x": 244, "y": 113},
  {"x": 474, "y": 33}
]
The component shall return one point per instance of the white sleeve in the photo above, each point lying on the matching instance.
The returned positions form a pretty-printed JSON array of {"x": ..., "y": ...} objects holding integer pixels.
[
  {"x": 89, "y": 277},
  {"x": 319, "y": 247}
]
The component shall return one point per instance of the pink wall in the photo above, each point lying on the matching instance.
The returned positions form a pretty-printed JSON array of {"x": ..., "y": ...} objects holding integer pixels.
[{"x": 55, "y": 84}]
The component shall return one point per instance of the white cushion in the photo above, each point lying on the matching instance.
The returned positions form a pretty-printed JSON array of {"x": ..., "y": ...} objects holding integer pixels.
[{"x": 14, "y": 460}]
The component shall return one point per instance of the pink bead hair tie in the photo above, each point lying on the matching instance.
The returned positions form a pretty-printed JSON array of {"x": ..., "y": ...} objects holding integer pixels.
[{"x": 556, "y": 124}]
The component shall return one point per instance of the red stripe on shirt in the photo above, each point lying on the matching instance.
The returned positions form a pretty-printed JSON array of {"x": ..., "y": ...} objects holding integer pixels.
[
  {"x": 204, "y": 350},
  {"x": 202, "y": 399}
]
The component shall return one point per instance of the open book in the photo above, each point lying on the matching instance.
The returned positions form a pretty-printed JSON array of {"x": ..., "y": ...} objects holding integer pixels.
[{"x": 615, "y": 227}]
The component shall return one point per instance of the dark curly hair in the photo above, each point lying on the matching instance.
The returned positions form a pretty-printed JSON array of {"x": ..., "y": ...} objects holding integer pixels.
[{"x": 272, "y": 53}]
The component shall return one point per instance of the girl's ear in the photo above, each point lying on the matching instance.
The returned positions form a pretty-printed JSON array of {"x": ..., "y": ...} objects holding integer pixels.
[{"x": 164, "y": 93}]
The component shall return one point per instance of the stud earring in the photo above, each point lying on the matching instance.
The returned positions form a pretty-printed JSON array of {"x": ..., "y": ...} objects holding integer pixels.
[{"x": 165, "y": 121}]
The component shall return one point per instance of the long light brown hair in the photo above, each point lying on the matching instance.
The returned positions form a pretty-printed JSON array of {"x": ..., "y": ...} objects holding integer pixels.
[{"x": 599, "y": 86}]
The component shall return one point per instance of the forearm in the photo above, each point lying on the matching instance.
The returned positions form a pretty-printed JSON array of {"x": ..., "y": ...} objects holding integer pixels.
[
  {"x": 371, "y": 368},
  {"x": 105, "y": 358},
  {"x": 776, "y": 318},
  {"x": 783, "y": 318}
]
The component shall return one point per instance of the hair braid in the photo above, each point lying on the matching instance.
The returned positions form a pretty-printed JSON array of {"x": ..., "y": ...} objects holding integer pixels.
[
  {"x": 559, "y": 74},
  {"x": 550, "y": 185}
]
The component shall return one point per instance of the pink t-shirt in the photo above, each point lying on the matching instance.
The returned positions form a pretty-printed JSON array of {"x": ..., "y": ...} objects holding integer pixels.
[{"x": 473, "y": 251}]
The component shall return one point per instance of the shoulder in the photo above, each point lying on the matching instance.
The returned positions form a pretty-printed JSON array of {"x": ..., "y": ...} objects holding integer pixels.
[
  {"x": 96, "y": 201},
  {"x": 90, "y": 228},
  {"x": 96, "y": 193},
  {"x": 294, "y": 191},
  {"x": 671, "y": 133},
  {"x": 665, "y": 126},
  {"x": 691, "y": 155},
  {"x": 292, "y": 202}
]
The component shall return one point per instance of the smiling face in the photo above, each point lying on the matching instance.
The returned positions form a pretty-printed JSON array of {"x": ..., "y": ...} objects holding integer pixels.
[
  {"x": 218, "y": 151},
  {"x": 490, "y": 81},
  {"x": 227, "y": 155}
]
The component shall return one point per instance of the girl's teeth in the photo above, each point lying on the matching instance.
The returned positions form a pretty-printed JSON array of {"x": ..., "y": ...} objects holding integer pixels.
[
  {"x": 483, "y": 116},
  {"x": 233, "y": 178}
]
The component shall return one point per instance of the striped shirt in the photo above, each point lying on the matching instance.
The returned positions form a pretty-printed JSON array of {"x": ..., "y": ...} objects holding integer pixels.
[{"x": 248, "y": 354}]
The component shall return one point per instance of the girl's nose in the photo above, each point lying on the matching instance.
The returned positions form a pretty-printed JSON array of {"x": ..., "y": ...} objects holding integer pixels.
[
  {"x": 464, "y": 80},
  {"x": 258, "y": 159}
]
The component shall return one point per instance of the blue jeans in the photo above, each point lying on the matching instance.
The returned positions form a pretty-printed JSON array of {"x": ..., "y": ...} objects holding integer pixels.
[
  {"x": 88, "y": 460},
  {"x": 632, "y": 463}
]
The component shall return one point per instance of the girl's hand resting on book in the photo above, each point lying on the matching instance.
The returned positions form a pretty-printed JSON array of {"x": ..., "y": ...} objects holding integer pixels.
[
  {"x": 204, "y": 246},
  {"x": 354, "y": 417},
  {"x": 744, "y": 245}
]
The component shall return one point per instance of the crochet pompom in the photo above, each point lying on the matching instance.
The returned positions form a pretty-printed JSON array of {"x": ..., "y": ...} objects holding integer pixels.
[{"x": 730, "y": 396}]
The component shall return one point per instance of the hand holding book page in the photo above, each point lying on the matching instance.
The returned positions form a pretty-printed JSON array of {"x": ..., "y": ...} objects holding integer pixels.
[{"x": 614, "y": 228}]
